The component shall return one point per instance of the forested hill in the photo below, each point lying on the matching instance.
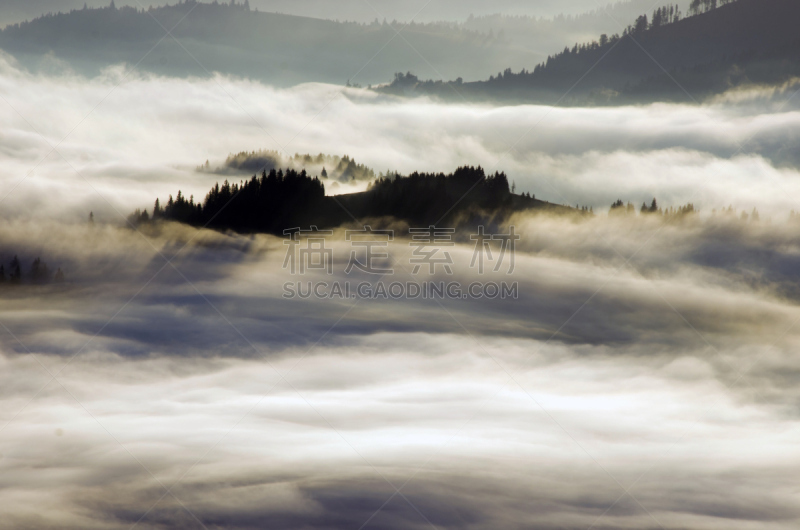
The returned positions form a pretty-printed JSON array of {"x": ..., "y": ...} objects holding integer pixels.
[
  {"x": 660, "y": 57},
  {"x": 234, "y": 39},
  {"x": 278, "y": 200}
]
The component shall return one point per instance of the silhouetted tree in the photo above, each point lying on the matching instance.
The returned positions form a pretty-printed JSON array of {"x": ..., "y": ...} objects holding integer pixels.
[
  {"x": 641, "y": 24},
  {"x": 16, "y": 270},
  {"x": 703, "y": 6},
  {"x": 619, "y": 208},
  {"x": 39, "y": 272},
  {"x": 283, "y": 199}
]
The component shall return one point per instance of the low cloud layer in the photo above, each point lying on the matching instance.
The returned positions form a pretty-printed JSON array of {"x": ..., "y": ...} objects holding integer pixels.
[
  {"x": 645, "y": 376},
  {"x": 633, "y": 360},
  {"x": 123, "y": 139}
]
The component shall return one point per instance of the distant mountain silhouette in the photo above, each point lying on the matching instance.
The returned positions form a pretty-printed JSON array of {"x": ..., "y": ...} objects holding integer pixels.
[
  {"x": 233, "y": 39},
  {"x": 278, "y": 200},
  {"x": 656, "y": 58}
]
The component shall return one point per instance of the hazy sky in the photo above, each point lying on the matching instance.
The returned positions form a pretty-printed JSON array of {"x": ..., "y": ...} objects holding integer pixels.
[{"x": 361, "y": 10}]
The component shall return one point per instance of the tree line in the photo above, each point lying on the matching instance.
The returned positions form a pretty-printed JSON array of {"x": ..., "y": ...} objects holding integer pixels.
[
  {"x": 265, "y": 204},
  {"x": 340, "y": 168},
  {"x": 704, "y": 6},
  {"x": 620, "y": 208},
  {"x": 662, "y": 16},
  {"x": 663, "y": 56},
  {"x": 283, "y": 199},
  {"x": 421, "y": 196},
  {"x": 38, "y": 273}
]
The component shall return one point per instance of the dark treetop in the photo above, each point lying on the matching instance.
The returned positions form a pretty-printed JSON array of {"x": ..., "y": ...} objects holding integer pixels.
[{"x": 280, "y": 200}]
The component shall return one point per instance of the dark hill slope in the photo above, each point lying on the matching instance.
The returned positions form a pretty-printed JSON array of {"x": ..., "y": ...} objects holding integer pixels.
[
  {"x": 279, "y": 49},
  {"x": 748, "y": 41}
]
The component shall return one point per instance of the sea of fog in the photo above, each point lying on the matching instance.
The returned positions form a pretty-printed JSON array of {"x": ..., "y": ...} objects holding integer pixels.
[
  {"x": 119, "y": 141},
  {"x": 645, "y": 375}
]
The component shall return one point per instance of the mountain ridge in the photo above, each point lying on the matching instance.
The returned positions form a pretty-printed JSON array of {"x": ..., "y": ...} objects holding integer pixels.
[
  {"x": 743, "y": 42},
  {"x": 232, "y": 39}
]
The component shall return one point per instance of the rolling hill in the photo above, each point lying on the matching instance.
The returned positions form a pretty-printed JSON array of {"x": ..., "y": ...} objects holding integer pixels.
[
  {"x": 744, "y": 42},
  {"x": 278, "y": 200},
  {"x": 232, "y": 39}
]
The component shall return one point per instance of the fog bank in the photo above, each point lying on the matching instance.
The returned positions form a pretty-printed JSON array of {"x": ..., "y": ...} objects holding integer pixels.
[{"x": 124, "y": 139}]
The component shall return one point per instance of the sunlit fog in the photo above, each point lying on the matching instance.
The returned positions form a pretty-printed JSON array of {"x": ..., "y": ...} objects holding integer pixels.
[{"x": 330, "y": 265}]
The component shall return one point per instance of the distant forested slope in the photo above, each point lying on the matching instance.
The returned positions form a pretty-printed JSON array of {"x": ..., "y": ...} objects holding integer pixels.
[
  {"x": 233, "y": 39},
  {"x": 660, "y": 57},
  {"x": 547, "y": 35}
]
